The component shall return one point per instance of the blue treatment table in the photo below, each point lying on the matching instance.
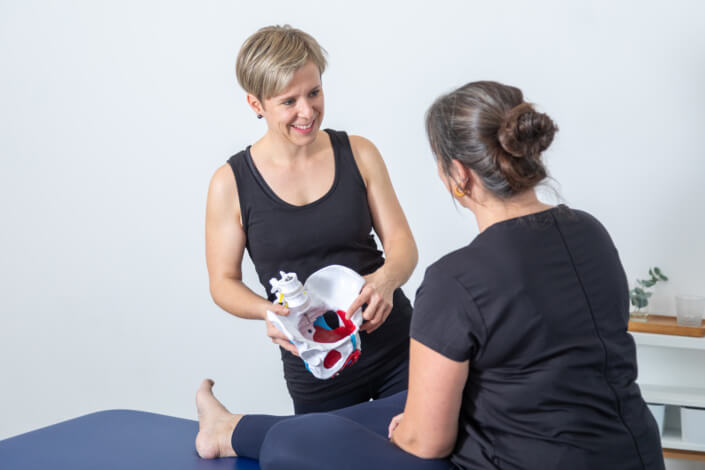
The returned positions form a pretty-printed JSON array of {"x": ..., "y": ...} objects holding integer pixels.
[{"x": 112, "y": 440}]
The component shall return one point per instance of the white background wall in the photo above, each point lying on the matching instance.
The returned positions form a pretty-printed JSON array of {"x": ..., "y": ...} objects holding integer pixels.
[{"x": 114, "y": 115}]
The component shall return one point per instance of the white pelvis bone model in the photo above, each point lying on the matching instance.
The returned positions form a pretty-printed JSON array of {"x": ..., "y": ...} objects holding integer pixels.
[{"x": 316, "y": 324}]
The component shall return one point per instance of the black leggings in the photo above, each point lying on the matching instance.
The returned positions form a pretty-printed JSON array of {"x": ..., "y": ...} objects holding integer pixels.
[
  {"x": 394, "y": 381},
  {"x": 352, "y": 438}
]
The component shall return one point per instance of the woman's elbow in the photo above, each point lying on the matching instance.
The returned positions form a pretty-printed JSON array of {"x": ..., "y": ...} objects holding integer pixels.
[
  {"x": 215, "y": 295},
  {"x": 217, "y": 291},
  {"x": 424, "y": 448},
  {"x": 414, "y": 254},
  {"x": 433, "y": 451}
]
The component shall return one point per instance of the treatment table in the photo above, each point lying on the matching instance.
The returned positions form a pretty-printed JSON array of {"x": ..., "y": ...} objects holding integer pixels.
[{"x": 112, "y": 440}]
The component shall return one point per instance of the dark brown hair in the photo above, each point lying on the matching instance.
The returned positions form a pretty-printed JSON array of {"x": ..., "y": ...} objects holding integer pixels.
[{"x": 489, "y": 128}]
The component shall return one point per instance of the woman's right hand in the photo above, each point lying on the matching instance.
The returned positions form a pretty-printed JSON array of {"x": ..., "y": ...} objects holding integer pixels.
[
  {"x": 275, "y": 334},
  {"x": 393, "y": 424}
]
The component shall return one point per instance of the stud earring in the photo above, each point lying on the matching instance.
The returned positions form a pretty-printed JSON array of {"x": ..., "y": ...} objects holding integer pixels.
[{"x": 259, "y": 116}]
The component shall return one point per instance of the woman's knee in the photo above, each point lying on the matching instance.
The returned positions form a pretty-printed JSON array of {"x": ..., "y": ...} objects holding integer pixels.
[{"x": 309, "y": 441}]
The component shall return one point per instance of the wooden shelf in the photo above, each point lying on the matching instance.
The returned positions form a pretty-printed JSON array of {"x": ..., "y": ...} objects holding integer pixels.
[
  {"x": 683, "y": 454},
  {"x": 666, "y": 325}
]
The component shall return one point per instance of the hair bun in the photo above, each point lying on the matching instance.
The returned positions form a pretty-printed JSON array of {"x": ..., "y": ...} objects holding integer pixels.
[{"x": 526, "y": 133}]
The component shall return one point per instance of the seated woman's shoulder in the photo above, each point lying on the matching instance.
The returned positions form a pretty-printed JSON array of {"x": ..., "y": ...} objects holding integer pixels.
[
  {"x": 451, "y": 264},
  {"x": 569, "y": 214},
  {"x": 582, "y": 224}
]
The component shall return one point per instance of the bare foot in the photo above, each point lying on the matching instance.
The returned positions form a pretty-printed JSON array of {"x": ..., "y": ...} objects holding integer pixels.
[{"x": 215, "y": 424}]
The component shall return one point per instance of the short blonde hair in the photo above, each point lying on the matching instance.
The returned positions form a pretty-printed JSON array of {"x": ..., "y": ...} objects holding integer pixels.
[{"x": 268, "y": 59}]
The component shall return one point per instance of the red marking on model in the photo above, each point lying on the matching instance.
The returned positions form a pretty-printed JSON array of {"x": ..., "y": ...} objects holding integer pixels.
[
  {"x": 331, "y": 359},
  {"x": 352, "y": 358},
  {"x": 322, "y": 335}
]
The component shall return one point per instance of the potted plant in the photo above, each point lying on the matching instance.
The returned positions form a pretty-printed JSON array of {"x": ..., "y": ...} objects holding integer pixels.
[{"x": 639, "y": 296}]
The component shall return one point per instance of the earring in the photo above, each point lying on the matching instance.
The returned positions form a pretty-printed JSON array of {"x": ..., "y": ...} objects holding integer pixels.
[
  {"x": 259, "y": 116},
  {"x": 458, "y": 192}
]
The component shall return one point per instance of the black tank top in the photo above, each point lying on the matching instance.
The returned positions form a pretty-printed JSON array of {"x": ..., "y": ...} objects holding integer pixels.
[{"x": 335, "y": 229}]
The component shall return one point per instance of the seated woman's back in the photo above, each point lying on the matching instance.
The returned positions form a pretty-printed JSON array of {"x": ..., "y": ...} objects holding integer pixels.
[{"x": 539, "y": 306}]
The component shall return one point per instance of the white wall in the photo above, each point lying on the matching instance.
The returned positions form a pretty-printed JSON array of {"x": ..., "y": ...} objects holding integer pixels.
[{"x": 115, "y": 114}]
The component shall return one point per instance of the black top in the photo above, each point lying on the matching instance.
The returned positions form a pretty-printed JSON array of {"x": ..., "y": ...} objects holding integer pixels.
[
  {"x": 335, "y": 229},
  {"x": 539, "y": 307}
]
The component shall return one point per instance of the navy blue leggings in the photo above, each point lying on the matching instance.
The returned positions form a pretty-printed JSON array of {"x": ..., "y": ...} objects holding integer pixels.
[{"x": 351, "y": 438}]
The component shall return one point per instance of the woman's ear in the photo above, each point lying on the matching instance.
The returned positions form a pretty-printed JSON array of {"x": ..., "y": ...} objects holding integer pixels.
[
  {"x": 255, "y": 104},
  {"x": 476, "y": 189},
  {"x": 461, "y": 175}
]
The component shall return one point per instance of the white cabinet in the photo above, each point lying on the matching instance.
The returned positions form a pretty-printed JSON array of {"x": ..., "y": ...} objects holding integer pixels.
[{"x": 672, "y": 372}]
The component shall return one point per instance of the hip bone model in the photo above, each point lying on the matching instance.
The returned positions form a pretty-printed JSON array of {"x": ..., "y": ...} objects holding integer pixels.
[{"x": 326, "y": 341}]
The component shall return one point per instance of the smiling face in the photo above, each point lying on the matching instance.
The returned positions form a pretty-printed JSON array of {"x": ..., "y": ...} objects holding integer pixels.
[{"x": 296, "y": 113}]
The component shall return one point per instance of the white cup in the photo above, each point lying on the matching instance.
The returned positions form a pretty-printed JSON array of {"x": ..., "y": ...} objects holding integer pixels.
[{"x": 690, "y": 309}]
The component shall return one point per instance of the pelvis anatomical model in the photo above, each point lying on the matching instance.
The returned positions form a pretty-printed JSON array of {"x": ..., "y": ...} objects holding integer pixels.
[{"x": 316, "y": 324}]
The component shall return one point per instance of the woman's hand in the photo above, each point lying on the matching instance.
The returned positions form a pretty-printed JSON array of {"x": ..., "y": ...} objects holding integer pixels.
[
  {"x": 378, "y": 295},
  {"x": 275, "y": 334},
  {"x": 394, "y": 423}
]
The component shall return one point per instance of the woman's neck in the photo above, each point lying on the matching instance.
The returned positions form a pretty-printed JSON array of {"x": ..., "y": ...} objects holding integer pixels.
[
  {"x": 493, "y": 210},
  {"x": 281, "y": 151}
]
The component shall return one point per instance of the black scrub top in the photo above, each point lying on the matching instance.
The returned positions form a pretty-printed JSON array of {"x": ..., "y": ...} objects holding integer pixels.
[{"x": 539, "y": 307}]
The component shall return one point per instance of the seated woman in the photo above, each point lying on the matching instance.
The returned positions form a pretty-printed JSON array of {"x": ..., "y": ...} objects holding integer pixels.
[{"x": 520, "y": 356}]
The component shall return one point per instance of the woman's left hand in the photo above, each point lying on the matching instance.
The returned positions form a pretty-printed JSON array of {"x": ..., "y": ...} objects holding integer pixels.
[
  {"x": 378, "y": 295},
  {"x": 394, "y": 423}
]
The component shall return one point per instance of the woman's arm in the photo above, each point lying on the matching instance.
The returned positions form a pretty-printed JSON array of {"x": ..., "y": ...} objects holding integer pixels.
[
  {"x": 429, "y": 427},
  {"x": 393, "y": 230},
  {"x": 225, "y": 247}
]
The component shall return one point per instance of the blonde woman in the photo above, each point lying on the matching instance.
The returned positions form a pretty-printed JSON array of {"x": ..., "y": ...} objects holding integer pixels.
[{"x": 301, "y": 198}]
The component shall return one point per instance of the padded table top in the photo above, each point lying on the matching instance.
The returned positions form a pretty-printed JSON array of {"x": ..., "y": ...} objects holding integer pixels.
[{"x": 114, "y": 439}]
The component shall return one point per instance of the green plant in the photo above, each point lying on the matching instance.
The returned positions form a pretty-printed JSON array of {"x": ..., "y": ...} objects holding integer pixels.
[{"x": 639, "y": 296}]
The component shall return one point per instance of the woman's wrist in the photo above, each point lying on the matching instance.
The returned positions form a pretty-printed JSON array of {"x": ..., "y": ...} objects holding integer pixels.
[
  {"x": 264, "y": 306},
  {"x": 384, "y": 279}
]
